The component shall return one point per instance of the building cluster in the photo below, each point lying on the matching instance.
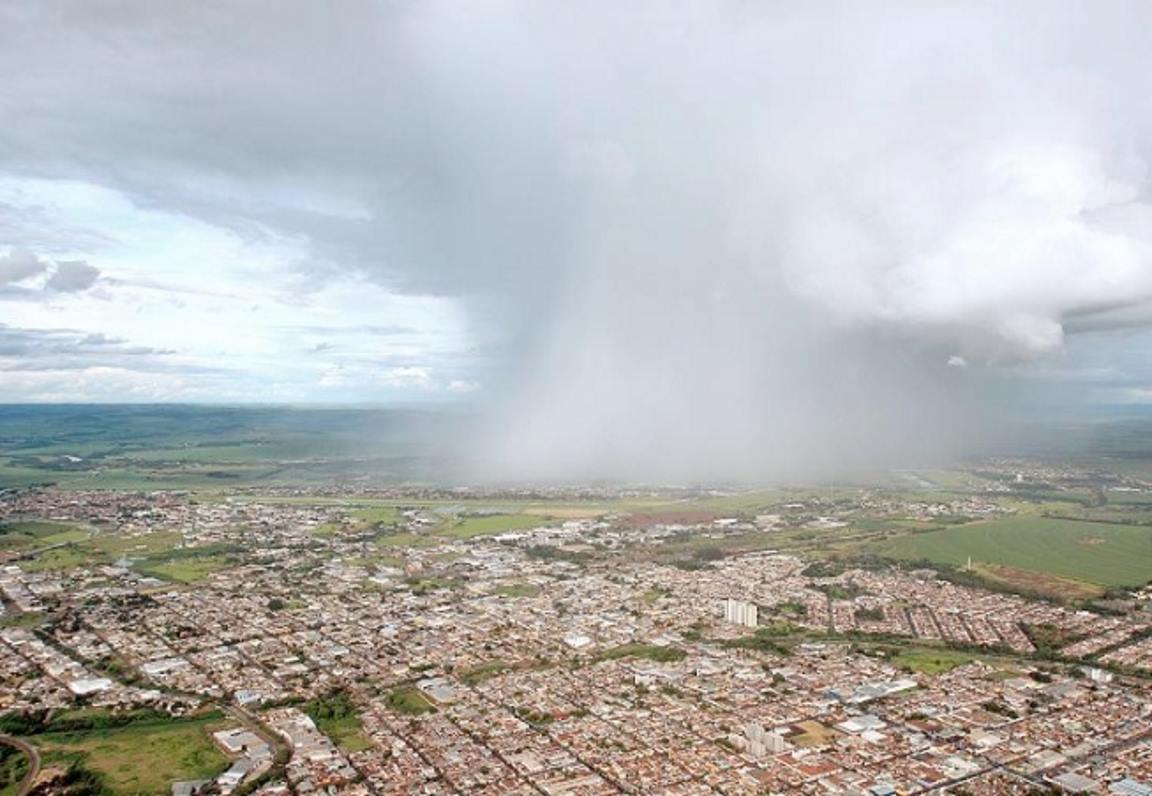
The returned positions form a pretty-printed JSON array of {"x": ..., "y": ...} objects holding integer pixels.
[{"x": 521, "y": 664}]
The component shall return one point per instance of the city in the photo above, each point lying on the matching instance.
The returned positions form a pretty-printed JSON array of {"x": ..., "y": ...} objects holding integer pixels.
[{"x": 449, "y": 644}]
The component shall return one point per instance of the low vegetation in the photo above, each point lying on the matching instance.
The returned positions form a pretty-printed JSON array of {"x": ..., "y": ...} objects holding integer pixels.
[
  {"x": 517, "y": 590},
  {"x": 337, "y": 717},
  {"x": 143, "y": 756},
  {"x": 649, "y": 652},
  {"x": 409, "y": 701},
  {"x": 13, "y": 767},
  {"x": 491, "y": 524},
  {"x": 484, "y": 671},
  {"x": 930, "y": 661}
]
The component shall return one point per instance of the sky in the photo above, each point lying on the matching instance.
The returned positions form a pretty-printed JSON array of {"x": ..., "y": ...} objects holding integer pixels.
[
  {"x": 646, "y": 232},
  {"x": 106, "y": 300}
]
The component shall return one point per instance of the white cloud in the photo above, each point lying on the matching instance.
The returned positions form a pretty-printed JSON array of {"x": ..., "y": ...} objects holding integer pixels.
[
  {"x": 409, "y": 377},
  {"x": 463, "y": 385}
]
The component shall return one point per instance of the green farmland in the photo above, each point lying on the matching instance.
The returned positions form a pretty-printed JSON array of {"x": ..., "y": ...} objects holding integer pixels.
[{"x": 1100, "y": 553}]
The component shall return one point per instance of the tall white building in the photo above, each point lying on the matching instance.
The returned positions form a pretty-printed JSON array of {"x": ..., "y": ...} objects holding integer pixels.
[
  {"x": 760, "y": 742},
  {"x": 741, "y": 612}
]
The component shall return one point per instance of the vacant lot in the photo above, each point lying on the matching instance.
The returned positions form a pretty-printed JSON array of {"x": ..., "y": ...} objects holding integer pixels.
[
  {"x": 1093, "y": 552},
  {"x": 141, "y": 758},
  {"x": 58, "y": 559},
  {"x": 931, "y": 661},
  {"x": 185, "y": 570},
  {"x": 336, "y": 716},
  {"x": 810, "y": 734}
]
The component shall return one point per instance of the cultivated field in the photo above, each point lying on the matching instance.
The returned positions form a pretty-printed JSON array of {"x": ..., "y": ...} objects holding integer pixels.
[{"x": 1093, "y": 552}]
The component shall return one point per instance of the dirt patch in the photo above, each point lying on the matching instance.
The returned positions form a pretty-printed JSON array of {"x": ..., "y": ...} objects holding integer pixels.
[
  {"x": 1040, "y": 582},
  {"x": 1089, "y": 541},
  {"x": 808, "y": 734}
]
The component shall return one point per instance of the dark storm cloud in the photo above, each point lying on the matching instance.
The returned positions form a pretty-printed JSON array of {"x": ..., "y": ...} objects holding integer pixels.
[{"x": 697, "y": 234}]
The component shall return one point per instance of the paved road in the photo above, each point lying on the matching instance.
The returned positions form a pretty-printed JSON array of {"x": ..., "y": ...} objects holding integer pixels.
[{"x": 33, "y": 762}]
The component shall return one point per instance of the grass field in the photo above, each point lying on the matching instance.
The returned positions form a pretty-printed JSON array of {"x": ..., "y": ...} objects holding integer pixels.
[
  {"x": 61, "y": 558},
  {"x": 484, "y": 671},
  {"x": 336, "y": 716},
  {"x": 158, "y": 554},
  {"x": 141, "y": 758},
  {"x": 490, "y": 524},
  {"x": 362, "y": 520},
  {"x": 1099, "y": 553},
  {"x": 931, "y": 661},
  {"x": 139, "y": 544},
  {"x": 649, "y": 652},
  {"x": 31, "y": 534},
  {"x": 346, "y": 732},
  {"x": 517, "y": 590},
  {"x": 185, "y": 570},
  {"x": 409, "y": 701},
  {"x": 373, "y": 515}
]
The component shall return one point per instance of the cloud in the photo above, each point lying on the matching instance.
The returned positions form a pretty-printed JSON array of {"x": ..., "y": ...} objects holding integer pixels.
[
  {"x": 357, "y": 378},
  {"x": 29, "y": 226},
  {"x": 69, "y": 349},
  {"x": 72, "y": 276},
  {"x": 377, "y": 330},
  {"x": 755, "y": 259},
  {"x": 59, "y": 364},
  {"x": 100, "y": 383},
  {"x": 18, "y": 266},
  {"x": 64, "y": 276},
  {"x": 409, "y": 377},
  {"x": 463, "y": 386}
]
